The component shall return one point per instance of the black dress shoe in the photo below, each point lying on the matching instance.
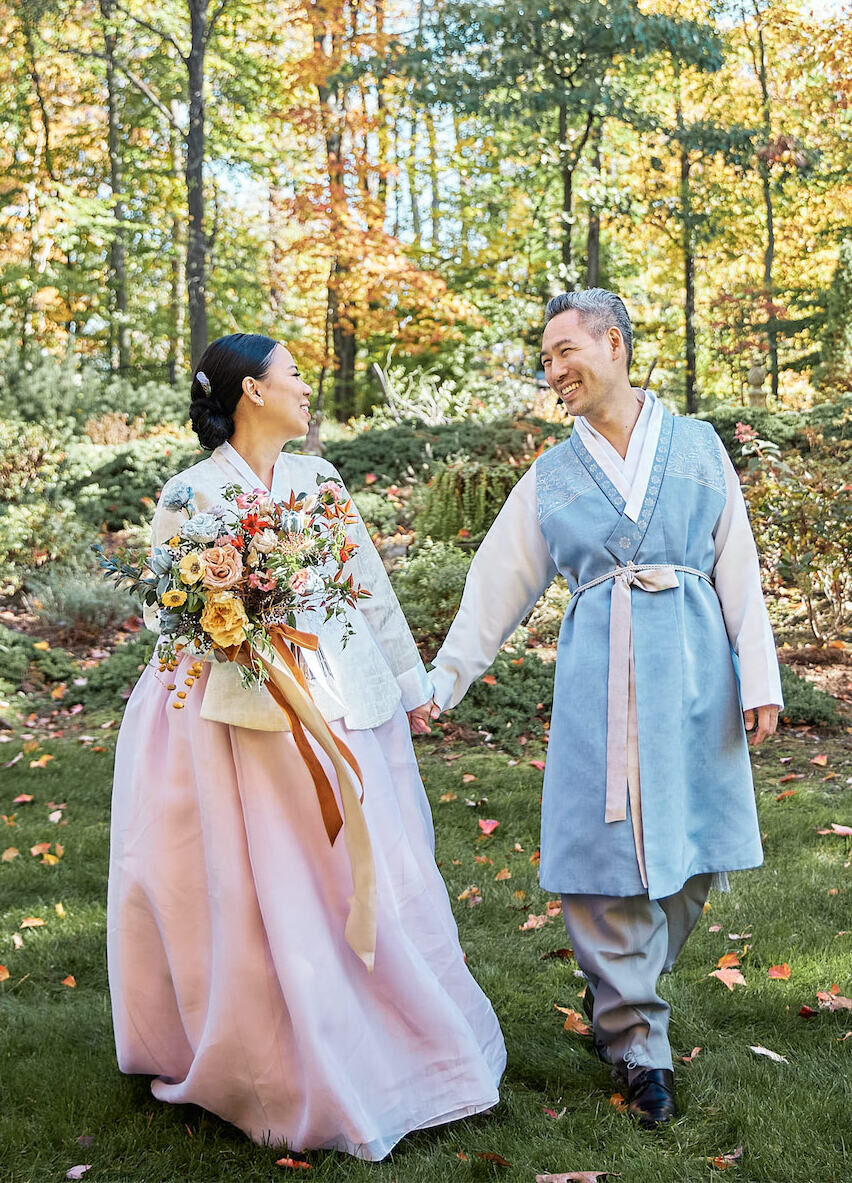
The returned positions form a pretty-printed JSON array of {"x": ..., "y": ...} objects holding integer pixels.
[{"x": 651, "y": 1099}]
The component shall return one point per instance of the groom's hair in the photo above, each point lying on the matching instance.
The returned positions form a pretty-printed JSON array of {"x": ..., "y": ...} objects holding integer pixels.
[{"x": 599, "y": 310}]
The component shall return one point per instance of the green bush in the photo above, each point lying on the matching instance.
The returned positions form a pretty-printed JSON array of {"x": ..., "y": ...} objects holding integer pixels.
[
  {"x": 108, "y": 684},
  {"x": 78, "y": 602},
  {"x": 546, "y": 618},
  {"x": 379, "y": 513},
  {"x": 37, "y": 523},
  {"x": 116, "y": 485},
  {"x": 785, "y": 429},
  {"x": 21, "y": 662},
  {"x": 429, "y": 583},
  {"x": 465, "y": 496},
  {"x": 806, "y": 703},
  {"x": 518, "y": 703},
  {"x": 395, "y": 454}
]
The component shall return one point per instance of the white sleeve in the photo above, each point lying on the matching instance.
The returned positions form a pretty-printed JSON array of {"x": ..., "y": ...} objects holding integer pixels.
[
  {"x": 385, "y": 616},
  {"x": 166, "y": 523},
  {"x": 510, "y": 571},
  {"x": 736, "y": 574}
]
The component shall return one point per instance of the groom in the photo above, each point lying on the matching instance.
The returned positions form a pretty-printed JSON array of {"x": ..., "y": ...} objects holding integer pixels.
[{"x": 665, "y": 661}]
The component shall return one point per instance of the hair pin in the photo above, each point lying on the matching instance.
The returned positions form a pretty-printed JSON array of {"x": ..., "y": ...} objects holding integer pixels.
[{"x": 205, "y": 382}]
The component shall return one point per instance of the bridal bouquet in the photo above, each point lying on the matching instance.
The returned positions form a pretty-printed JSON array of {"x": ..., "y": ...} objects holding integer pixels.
[{"x": 234, "y": 575}]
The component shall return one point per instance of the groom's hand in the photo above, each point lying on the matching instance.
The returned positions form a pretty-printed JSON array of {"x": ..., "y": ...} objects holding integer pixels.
[
  {"x": 766, "y": 720},
  {"x": 418, "y": 719}
]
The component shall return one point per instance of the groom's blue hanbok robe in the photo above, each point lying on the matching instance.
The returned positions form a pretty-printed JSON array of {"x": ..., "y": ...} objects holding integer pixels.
[{"x": 664, "y": 642}]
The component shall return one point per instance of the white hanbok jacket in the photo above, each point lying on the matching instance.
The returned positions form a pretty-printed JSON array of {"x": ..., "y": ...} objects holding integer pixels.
[{"x": 361, "y": 682}]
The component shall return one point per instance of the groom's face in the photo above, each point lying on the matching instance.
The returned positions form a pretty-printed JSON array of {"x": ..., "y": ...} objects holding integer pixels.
[{"x": 580, "y": 368}]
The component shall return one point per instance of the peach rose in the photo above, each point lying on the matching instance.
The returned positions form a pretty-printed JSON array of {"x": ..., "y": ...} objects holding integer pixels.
[
  {"x": 223, "y": 567},
  {"x": 224, "y": 620}
]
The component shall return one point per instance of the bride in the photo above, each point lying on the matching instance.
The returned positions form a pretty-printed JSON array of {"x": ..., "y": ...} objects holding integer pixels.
[{"x": 232, "y": 981}]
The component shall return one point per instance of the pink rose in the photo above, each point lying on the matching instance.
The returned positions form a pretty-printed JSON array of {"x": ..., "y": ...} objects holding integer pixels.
[
  {"x": 299, "y": 582},
  {"x": 330, "y": 487},
  {"x": 223, "y": 567}
]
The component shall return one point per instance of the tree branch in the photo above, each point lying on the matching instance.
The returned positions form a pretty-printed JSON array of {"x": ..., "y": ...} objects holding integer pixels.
[
  {"x": 140, "y": 85},
  {"x": 153, "y": 29},
  {"x": 223, "y": 4}
]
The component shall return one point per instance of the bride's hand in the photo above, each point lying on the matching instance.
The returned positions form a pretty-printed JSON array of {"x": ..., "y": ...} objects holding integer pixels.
[{"x": 418, "y": 719}]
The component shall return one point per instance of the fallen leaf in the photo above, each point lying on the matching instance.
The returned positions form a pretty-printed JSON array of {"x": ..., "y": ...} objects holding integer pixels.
[
  {"x": 468, "y": 778},
  {"x": 574, "y": 1021},
  {"x": 60, "y": 910},
  {"x": 559, "y": 954},
  {"x": 41, "y": 762},
  {"x": 728, "y": 977},
  {"x": 534, "y": 922},
  {"x": 448, "y": 797},
  {"x": 32, "y": 922},
  {"x": 55, "y": 816},
  {"x": 577, "y": 1177},
  {"x": 60, "y": 850},
  {"x": 39, "y": 848},
  {"x": 490, "y": 1156},
  {"x": 4, "y": 973},
  {"x": 473, "y": 890},
  {"x": 787, "y": 793},
  {"x": 490, "y": 680},
  {"x": 295, "y": 1164},
  {"x": 484, "y": 859},
  {"x": 77, "y": 1172},
  {"x": 831, "y": 1000},
  {"x": 688, "y": 1059},
  {"x": 9, "y": 853},
  {"x": 722, "y": 1161},
  {"x": 715, "y": 928},
  {"x": 22, "y": 798},
  {"x": 488, "y": 826},
  {"x": 739, "y": 936},
  {"x": 764, "y": 1051},
  {"x": 835, "y": 829},
  {"x": 535, "y": 858},
  {"x": 58, "y": 691},
  {"x": 781, "y": 972},
  {"x": 539, "y": 764},
  {"x": 820, "y": 761},
  {"x": 49, "y": 860},
  {"x": 43, "y": 646},
  {"x": 618, "y": 1101},
  {"x": 552, "y": 1113},
  {"x": 503, "y": 875},
  {"x": 782, "y": 780},
  {"x": 807, "y": 1013},
  {"x": 728, "y": 960},
  {"x": 17, "y": 940},
  {"x": 460, "y": 1154},
  {"x": 69, "y": 981},
  {"x": 14, "y": 760}
]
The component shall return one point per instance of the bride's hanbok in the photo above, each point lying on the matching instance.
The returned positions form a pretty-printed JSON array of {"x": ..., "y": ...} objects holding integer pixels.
[{"x": 232, "y": 981}]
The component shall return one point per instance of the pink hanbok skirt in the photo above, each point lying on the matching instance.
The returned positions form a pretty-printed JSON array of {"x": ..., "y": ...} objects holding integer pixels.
[{"x": 231, "y": 981}]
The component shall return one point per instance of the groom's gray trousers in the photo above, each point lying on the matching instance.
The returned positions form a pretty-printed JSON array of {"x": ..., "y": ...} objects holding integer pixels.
[{"x": 622, "y": 944}]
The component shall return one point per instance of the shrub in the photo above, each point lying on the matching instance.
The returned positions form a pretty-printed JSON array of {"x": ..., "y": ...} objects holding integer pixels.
[
  {"x": 379, "y": 513},
  {"x": 464, "y": 497},
  {"x": 518, "y": 703},
  {"x": 108, "y": 684},
  {"x": 36, "y": 523},
  {"x": 429, "y": 583},
  {"x": 78, "y": 602},
  {"x": 22, "y": 662},
  {"x": 395, "y": 454},
  {"x": 806, "y": 703},
  {"x": 546, "y": 618},
  {"x": 785, "y": 429}
]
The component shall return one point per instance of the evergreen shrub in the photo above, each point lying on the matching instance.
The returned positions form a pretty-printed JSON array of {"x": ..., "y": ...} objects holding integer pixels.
[
  {"x": 429, "y": 583},
  {"x": 806, "y": 703},
  {"x": 464, "y": 497},
  {"x": 379, "y": 513},
  {"x": 518, "y": 702}
]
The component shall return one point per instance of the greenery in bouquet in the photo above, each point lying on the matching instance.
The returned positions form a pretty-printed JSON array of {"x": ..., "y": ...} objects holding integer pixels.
[{"x": 235, "y": 571}]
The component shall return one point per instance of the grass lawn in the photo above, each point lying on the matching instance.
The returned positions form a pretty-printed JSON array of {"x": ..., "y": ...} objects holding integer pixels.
[{"x": 59, "y": 1081}]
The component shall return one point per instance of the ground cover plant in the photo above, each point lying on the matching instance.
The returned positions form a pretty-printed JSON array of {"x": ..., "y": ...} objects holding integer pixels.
[{"x": 783, "y": 927}]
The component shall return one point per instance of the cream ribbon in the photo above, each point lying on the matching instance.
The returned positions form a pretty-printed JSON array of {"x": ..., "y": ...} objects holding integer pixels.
[{"x": 622, "y": 735}]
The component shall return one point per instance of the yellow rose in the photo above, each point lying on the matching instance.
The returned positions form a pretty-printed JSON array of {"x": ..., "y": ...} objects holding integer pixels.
[
  {"x": 191, "y": 568},
  {"x": 224, "y": 620},
  {"x": 173, "y": 598}
]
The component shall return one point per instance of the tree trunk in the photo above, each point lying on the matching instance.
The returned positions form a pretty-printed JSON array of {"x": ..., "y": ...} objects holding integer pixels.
[
  {"x": 567, "y": 171},
  {"x": 690, "y": 388},
  {"x": 196, "y": 252},
  {"x": 119, "y": 328},
  {"x": 766, "y": 186},
  {"x": 435, "y": 204},
  {"x": 593, "y": 240},
  {"x": 177, "y": 268}
]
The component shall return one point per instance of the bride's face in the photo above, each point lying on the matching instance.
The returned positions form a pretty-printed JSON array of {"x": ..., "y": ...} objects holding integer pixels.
[{"x": 286, "y": 398}]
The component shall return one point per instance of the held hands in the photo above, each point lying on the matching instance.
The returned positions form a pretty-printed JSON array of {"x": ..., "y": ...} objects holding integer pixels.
[
  {"x": 418, "y": 719},
  {"x": 766, "y": 720}
]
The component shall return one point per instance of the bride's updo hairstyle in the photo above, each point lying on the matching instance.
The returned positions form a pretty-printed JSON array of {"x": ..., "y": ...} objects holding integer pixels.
[{"x": 217, "y": 385}]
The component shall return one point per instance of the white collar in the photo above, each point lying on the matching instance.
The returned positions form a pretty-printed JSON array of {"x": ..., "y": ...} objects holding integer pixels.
[
  {"x": 236, "y": 460},
  {"x": 629, "y": 474}
]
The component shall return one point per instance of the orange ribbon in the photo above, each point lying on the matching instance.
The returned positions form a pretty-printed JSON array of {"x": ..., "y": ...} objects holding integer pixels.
[{"x": 286, "y": 683}]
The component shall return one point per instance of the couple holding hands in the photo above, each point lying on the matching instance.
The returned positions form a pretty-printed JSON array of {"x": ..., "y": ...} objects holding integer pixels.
[{"x": 232, "y": 981}]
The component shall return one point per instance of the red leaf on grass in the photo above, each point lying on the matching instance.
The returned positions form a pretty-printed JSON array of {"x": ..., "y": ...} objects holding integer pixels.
[
  {"x": 69, "y": 981},
  {"x": 831, "y": 1000},
  {"x": 728, "y": 961},
  {"x": 728, "y": 977},
  {"x": 837, "y": 829},
  {"x": 782, "y": 780},
  {"x": 32, "y": 922},
  {"x": 488, "y": 826},
  {"x": 787, "y": 793},
  {"x": 688, "y": 1059},
  {"x": 722, "y": 1161},
  {"x": 574, "y": 1021},
  {"x": 503, "y": 875},
  {"x": 490, "y": 1156},
  {"x": 4, "y": 973},
  {"x": 490, "y": 680},
  {"x": 468, "y": 778},
  {"x": 539, "y": 764},
  {"x": 820, "y": 761},
  {"x": 294, "y": 1164},
  {"x": 561, "y": 954},
  {"x": 807, "y": 1013},
  {"x": 22, "y": 798},
  {"x": 781, "y": 972}
]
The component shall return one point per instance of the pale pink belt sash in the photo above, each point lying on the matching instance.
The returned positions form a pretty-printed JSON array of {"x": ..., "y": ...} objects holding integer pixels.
[{"x": 622, "y": 739}]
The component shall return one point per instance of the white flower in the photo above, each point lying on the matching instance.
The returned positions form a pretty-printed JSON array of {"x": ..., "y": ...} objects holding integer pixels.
[{"x": 265, "y": 541}]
